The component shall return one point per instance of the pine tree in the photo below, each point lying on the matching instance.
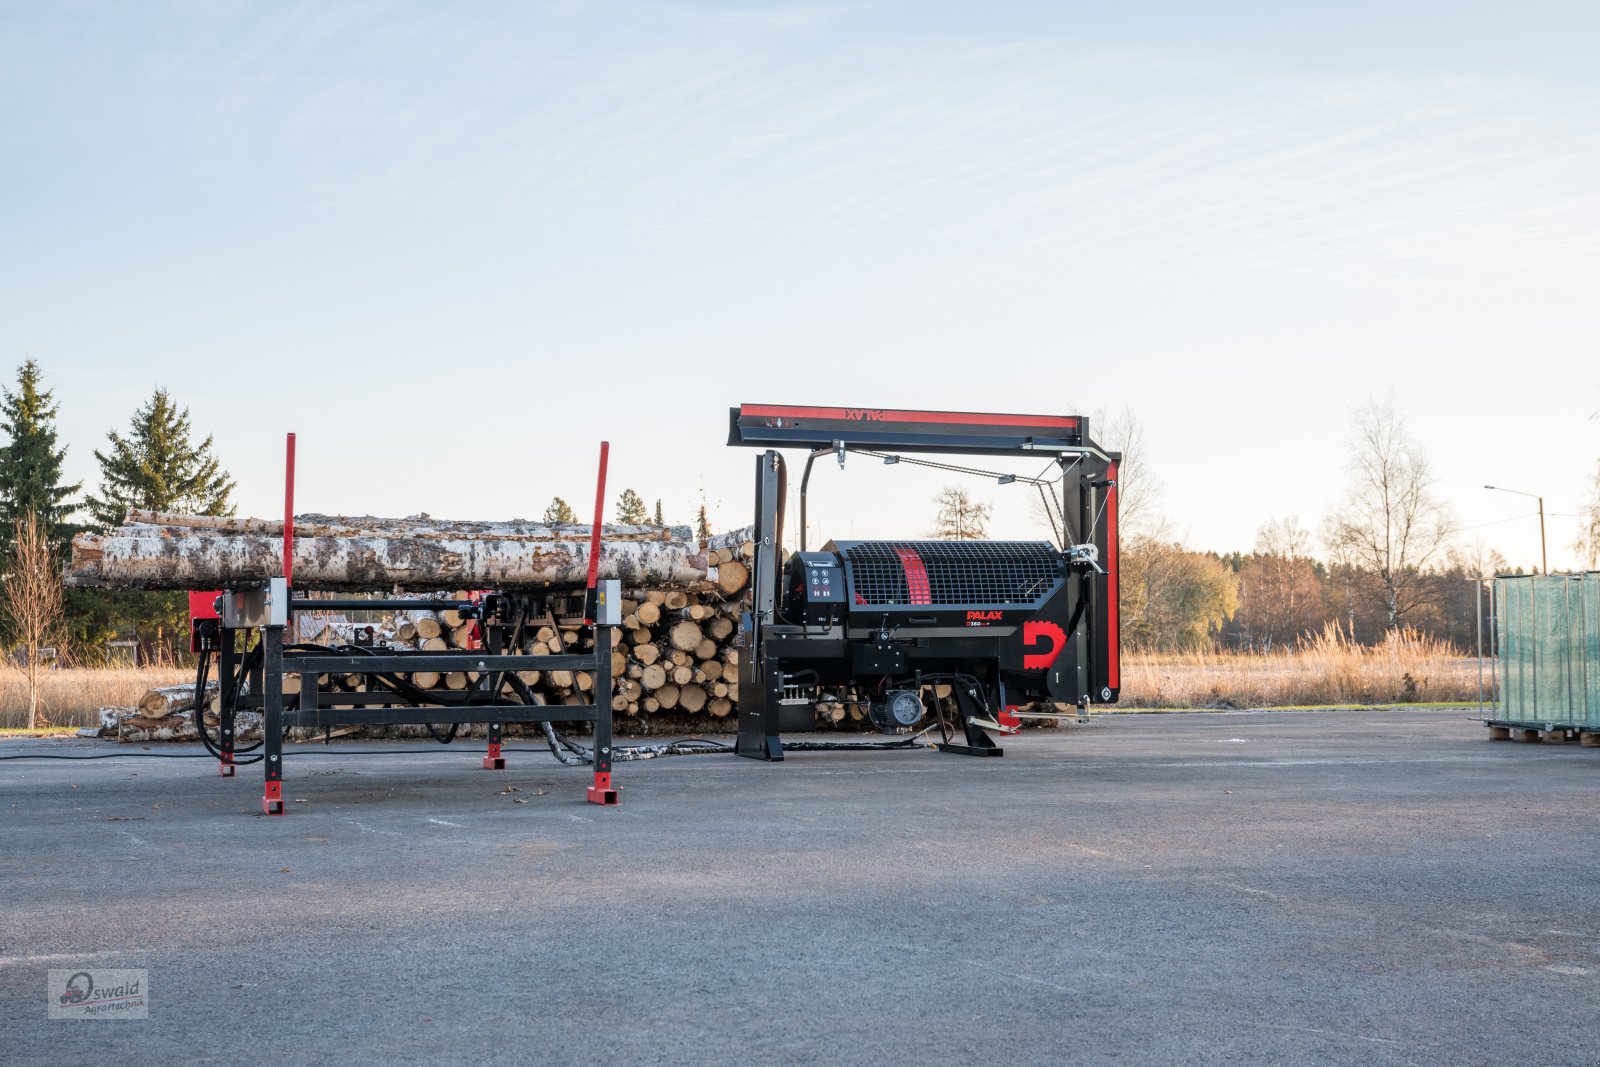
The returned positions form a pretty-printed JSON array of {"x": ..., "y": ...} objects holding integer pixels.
[
  {"x": 630, "y": 509},
  {"x": 30, "y": 463},
  {"x": 157, "y": 468},
  {"x": 702, "y": 524},
  {"x": 659, "y": 521},
  {"x": 560, "y": 511}
]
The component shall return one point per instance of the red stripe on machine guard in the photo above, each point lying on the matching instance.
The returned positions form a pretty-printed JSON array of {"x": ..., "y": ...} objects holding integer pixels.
[{"x": 916, "y": 576}]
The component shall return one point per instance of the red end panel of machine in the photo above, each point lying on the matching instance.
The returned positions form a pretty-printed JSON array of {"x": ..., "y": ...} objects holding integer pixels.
[
  {"x": 599, "y": 514},
  {"x": 1113, "y": 635},
  {"x": 202, "y": 608},
  {"x": 288, "y": 511},
  {"x": 203, "y": 605}
]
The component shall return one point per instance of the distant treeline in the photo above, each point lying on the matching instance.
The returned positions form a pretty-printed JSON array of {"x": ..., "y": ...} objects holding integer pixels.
[{"x": 1387, "y": 562}]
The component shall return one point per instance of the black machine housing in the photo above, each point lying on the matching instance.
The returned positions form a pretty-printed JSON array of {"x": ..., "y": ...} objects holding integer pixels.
[{"x": 1000, "y": 623}]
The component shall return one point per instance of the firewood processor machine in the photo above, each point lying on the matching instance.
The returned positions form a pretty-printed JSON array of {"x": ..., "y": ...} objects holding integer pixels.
[
  {"x": 893, "y": 625},
  {"x": 965, "y": 633}
]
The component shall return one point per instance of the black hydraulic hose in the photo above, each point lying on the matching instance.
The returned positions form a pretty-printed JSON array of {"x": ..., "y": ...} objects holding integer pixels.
[
  {"x": 914, "y": 741},
  {"x": 406, "y": 689},
  {"x": 227, "y": 700}
]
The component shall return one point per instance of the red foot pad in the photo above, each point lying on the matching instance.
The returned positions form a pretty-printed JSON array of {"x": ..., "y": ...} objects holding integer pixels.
[
  {"x": 601, "y": 792},
  {"x": 226, "y": 769},
  {"x": 272, "y": 801},
  {"x": 1006, "y": 718},
  {"x": 494, "y": 761}
]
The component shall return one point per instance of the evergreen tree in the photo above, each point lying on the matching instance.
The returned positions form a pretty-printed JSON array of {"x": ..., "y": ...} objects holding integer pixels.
[
  {"x": 560, "y": 511},
  {"x": 630, "y": 509},
  {"x": 659, "y": 521},
  {"x": 702, "y": 524},
  {"x": 158, "y": 468},
  {"x": 30, "y": 463}
]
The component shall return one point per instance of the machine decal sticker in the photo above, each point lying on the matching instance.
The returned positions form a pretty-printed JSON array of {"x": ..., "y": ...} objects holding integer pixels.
[{"x": 1034, "y": 633}]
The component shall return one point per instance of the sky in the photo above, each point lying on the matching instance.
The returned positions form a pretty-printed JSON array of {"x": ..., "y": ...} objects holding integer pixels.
[{"x": 452, "y": 247}]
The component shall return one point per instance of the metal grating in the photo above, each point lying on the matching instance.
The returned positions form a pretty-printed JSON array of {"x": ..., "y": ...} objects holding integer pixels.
[{"x": 952, "y": 573}]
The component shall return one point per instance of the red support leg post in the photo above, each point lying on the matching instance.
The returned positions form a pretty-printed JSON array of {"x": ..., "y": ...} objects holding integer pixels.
[
  {"x": 288, "y": 511},
  {"x": 272, "y": 801},
  {"x": 601, "y": 792}
]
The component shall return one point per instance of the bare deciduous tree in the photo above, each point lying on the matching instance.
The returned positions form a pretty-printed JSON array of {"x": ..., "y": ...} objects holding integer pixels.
[
  {"x": 1588, "y": 543},
  {"x": 31, "y": 599},
  {"x": 1137, "y": 489},
  {"x": 1390, "y": 525},
  {"x": 960, "y": 518},
  {"x": 1280, "y": 594}
]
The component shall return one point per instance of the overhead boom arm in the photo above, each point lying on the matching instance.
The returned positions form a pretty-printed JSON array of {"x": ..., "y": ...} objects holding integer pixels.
[{"x": 973, "y": 433}]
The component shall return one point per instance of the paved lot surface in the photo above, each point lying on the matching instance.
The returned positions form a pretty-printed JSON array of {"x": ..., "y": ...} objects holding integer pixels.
[{"x": 1365, "y": 887}]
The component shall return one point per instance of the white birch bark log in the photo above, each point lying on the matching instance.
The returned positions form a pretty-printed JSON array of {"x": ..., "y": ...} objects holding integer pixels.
[
  {"x": 157, "y": 558},
  {"x": 416, "y": 526}
]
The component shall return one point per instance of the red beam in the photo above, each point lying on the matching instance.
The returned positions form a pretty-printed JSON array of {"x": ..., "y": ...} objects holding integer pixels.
[
  {"x": 288, "y": 512},
  {"x": 599, "y": 512}
]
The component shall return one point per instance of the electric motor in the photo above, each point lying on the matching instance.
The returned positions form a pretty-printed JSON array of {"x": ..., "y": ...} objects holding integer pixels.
[{"x": 898, "y": 709}]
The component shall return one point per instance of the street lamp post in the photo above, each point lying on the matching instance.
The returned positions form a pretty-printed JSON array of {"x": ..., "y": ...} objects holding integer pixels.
[{"x": 1544, "y": 559}]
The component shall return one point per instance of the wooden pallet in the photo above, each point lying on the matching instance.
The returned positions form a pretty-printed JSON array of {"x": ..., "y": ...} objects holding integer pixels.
[{"x": 1547, "y": 734}]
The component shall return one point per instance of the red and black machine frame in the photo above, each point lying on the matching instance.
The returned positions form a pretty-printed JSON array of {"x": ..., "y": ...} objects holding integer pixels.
[
  {"x": 1003, "y": 624},
  {"x": 244, "y": 629}
]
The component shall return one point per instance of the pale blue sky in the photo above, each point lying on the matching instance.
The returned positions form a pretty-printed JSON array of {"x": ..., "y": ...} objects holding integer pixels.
[{"x": 389, "y": 226}]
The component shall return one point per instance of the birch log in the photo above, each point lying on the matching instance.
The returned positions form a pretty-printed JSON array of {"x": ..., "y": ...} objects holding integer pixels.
[
  {"x": 159, "y": 703},
  {"x": 159, "y": 558},
  {"x": 417, "y": 526}
]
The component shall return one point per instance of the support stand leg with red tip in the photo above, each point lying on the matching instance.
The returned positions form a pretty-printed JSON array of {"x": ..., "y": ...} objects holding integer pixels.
[
  {"x": 602, "y": 792},
  {"x": 278, "y": 602},
  {"x": 272, "y": 719},
  {"x": 226, "y": 719},
  {"x": 494, "y": 761},
  {"x": 601, "y": 614}
]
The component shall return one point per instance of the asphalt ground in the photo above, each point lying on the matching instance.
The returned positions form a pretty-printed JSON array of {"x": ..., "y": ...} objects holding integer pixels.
[{"x": 1368, "y": 887}]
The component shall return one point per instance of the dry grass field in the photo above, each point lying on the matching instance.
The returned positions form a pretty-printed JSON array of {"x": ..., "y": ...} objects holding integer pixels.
[
  {"x": 1406, "y": 668},
  {"x": 74, "y": 696}
]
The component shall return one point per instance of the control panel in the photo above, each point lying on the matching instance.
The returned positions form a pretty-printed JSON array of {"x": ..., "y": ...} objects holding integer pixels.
[{"x": 815, "y": 595}]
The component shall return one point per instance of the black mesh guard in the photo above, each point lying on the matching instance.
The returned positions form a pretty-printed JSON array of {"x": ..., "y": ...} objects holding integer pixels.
[{"x": 960, "y": 574}]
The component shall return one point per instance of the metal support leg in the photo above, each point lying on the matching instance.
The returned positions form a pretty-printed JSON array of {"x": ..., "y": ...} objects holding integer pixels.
[
  {"x": 227, "y": 667},
  {"x": 494, "y": 761},
  {"x": 759, "y": 679},
  {"x": 272, "y": 718},
  {"x": 970, "y": 704},
  {"x": 602, "y": 791}
]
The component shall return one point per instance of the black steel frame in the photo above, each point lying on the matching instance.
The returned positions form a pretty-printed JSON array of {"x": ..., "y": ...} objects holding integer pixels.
[
  {"x": 505, "y": 627},
  {"x": 1091, "y": 496}
]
